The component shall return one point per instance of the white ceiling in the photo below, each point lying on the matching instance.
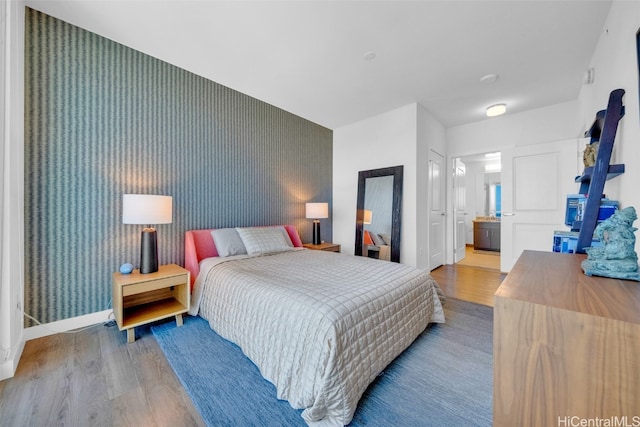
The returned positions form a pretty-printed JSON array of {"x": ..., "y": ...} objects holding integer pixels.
[{"x": 307, "y": 57}]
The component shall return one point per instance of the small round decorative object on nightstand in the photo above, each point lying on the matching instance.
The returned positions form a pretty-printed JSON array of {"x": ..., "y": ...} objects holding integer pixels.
[{"x": 126, "y": 268}]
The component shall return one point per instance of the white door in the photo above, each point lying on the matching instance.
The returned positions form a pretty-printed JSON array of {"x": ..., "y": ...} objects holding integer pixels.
[
  {"x": 459, "y": 210},
  {"x": 436, "y": 210},
  {"x": 535, "y": 182}
]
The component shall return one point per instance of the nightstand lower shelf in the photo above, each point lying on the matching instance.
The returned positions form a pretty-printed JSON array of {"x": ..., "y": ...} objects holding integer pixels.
[
  {"x": 146, "y": 313},
  {"x": 150, "y": 312}
]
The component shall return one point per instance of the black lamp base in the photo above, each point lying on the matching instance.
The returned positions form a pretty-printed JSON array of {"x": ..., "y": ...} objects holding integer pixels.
[
  {"x": 316, "y": 232},
  {"x": 149, "y": 251}
]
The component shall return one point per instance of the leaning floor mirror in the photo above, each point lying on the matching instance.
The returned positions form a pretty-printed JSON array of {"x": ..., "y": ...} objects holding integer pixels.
[{"x": 379, "y": 213}]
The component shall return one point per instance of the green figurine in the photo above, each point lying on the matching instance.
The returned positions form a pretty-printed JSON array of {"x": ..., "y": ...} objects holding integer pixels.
[{"x": 617, "y": 257}]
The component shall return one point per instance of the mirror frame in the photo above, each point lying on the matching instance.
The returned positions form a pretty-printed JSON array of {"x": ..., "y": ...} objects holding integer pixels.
[{"x": 396, "y": 215}]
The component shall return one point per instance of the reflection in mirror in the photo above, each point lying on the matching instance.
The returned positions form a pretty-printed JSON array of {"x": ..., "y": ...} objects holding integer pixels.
[
  {"x": 378, "y": 199},
  {"x": 493, "y": 195},
  {"x": 379, "y": 213}
]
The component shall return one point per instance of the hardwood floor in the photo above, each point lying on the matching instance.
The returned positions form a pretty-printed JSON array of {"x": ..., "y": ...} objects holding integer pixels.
[
  {"x": 477, "y": 258},
  {"x": 93, "y": 377},
  {"x": 474, "y": 284}
]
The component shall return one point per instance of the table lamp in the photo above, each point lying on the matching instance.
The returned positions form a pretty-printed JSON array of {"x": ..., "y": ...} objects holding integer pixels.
[
  {"x": 317, "y": 211},
  {"x": 147, "y": 209},
  {"x": 368, "y": 216}
]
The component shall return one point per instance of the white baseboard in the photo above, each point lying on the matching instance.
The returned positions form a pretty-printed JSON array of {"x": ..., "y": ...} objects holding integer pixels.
[
  {"x": 66, "y": 325},
  {"x": 9, "y": 366}
]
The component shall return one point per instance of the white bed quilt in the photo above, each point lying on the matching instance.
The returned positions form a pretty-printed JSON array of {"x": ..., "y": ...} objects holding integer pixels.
[{"x": 320, "y": 326}]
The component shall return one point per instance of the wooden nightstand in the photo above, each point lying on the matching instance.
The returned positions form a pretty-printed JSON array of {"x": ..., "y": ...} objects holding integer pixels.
[
  {"x": 329, "y": 247},
  {"x": 139, "y": 299}
]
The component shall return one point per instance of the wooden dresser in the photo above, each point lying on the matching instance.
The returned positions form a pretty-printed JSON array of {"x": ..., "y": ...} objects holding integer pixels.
[{"x": 566, "y": 346}]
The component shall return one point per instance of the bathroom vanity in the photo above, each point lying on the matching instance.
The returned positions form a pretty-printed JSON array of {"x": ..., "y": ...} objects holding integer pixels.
[{"x": 486, "y": 234}]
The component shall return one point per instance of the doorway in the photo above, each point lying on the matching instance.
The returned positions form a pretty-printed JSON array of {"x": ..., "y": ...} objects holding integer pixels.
[
  {"x": 436, "y": 210},
  {"x": 477, "y": 197}
]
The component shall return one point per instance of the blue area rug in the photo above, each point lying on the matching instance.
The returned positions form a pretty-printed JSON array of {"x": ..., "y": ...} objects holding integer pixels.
[{"x": 443, "y": 379}]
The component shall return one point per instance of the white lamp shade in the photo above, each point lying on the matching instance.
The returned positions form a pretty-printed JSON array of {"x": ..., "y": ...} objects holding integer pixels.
[
  {"x": 368, "y": 216},
  {"x": 317, "y": 210},
  {"x": 146, "y": 209}
]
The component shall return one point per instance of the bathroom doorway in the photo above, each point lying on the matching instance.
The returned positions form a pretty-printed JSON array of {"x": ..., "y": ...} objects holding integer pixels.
[{"x": 477, "y": 200}]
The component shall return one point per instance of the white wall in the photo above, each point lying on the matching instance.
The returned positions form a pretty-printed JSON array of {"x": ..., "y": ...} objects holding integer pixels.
[
  {"x": 616, "y": 67},
  {"x": 403, "y": 136},
  {"x": 11, "y": 186},
  {"x": 385, "y": 140}
]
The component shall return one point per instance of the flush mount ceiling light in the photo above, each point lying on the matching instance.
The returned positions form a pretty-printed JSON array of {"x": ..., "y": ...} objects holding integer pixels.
[
  {"x": 369, "y": 56},
  {"x": 496, "y": 110},
  {"x": 489, "y": 79}
]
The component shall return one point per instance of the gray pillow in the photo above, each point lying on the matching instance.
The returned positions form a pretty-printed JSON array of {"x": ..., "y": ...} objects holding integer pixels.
[
  {"x": 264, "y": 239},
  {"x": 228, "y": 242}
]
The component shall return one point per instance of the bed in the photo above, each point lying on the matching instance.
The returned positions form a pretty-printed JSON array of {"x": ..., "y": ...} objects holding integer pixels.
[{"x": 320, "y": 326}]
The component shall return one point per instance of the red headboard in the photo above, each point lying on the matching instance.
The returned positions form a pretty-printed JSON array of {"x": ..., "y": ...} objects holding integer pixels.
[{"x": 198, "y": 245}]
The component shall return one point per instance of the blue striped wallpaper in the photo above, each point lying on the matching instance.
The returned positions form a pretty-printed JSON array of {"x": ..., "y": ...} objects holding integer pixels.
[{"x": 103, "y": 120}]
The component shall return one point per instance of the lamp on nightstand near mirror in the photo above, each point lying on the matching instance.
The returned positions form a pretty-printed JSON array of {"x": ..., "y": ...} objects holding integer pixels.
[
  {"x": 316, "y": 211},
  {"x": 368, "y": 217},
  {"x": 147, "y": 209}
]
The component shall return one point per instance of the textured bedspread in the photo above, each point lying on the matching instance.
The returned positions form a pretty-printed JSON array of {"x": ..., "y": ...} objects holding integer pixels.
[{"x": 320, "y": 326}]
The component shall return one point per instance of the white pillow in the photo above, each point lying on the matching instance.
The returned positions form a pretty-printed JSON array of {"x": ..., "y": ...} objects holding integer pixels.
[
  {"x": 228, "y": 242},
  {"x": 264, "y": 239},
  {"x": 377, "y": 239},
  {"x": 386, "y": 238}
]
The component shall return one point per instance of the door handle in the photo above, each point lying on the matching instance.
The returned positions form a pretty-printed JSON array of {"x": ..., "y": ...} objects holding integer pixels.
[{"x": 508, "y": 214}]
